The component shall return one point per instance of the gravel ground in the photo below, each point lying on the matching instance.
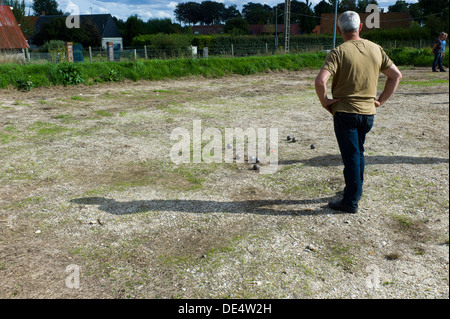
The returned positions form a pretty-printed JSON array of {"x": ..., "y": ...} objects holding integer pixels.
[{"x": 87, "y": 187}]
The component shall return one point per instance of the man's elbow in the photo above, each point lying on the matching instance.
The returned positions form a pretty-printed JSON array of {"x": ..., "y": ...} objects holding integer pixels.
[
  {"x": 399, "y": 76},
  {"x": 319, "y": 82}
]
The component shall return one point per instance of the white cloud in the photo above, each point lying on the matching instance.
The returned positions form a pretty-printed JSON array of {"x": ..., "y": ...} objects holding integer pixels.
[{"x": 147, "y": 9}]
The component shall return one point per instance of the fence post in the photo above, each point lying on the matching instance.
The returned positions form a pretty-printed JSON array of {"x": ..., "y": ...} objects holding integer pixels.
[
  {"x": 69, "y": 51},
  {"x": 232, "y": 50},
  {"x": 267, "y": 49},
  {"x": 110, "y": 51},
  {"x": 135, "y": 55},
  {"x": 145, "y": 49},
  {"x": 90, "y": 54},
  {"x": 27, "y": 55}
]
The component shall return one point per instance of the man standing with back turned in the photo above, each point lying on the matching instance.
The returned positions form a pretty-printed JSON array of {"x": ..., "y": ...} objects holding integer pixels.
[{"x": 355, "y": 66}]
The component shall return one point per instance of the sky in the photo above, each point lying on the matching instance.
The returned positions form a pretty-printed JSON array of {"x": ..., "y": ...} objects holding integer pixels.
[{"x": 157, "y": 9}]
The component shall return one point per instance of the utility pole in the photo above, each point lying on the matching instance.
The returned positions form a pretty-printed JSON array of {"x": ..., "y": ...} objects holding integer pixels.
[
  {"x": 335, "y": 22},
  {"x": 276, "y": 30},
  {"x": 287, "y": 24}
]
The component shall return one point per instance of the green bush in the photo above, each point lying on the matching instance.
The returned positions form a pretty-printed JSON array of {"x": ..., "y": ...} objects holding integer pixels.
[
  {"x": 414, "y": 57},
  {"x": 70, "y": 73}
]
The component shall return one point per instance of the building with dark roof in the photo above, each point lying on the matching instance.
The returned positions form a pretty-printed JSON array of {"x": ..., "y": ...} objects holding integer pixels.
[{"x": 104, "y": 23}]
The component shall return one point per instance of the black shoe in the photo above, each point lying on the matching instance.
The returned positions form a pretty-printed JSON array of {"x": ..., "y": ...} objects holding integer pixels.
[
  {"x": 435, "y": 71},
  {"x": 338, "y": 205},
  {"x": 443, "y": 71}
]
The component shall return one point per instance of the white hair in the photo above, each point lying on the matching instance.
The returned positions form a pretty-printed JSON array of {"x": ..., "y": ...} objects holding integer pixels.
[{"x": 349, "y": 21}]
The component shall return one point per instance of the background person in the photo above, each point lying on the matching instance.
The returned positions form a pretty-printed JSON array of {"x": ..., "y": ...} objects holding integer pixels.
[
  {"x": 443, "y": 46},
  {"x": 355, "y": 66},
  {"x": 437, "y": 50}
]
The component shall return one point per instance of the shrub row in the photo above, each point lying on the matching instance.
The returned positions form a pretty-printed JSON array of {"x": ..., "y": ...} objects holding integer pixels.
[{"x": 28, "y": 76}]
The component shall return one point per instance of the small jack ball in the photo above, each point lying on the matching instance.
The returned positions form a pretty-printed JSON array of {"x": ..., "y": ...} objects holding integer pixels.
[
  {"x": 313, "y": 146},
  {"x": 229, "y": 146}
]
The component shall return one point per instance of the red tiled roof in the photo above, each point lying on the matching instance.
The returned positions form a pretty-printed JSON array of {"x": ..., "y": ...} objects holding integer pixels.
[{"x": 11, "y": 37}]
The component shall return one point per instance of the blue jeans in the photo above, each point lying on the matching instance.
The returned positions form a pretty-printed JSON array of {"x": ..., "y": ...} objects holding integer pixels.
[
  {"x": 351, "y": 130},
  {"x": 437, "y": 62}
]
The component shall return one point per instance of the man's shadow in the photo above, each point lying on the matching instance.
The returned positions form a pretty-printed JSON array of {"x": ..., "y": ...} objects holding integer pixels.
[
  {"x": 335, "y": 160},
  {"x": 278, "y": 207}
]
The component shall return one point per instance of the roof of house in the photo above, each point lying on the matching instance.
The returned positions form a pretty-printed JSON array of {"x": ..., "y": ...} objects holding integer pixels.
[
  {"x": 104, "y": 22},
  {"x": 11, "y": 37}
]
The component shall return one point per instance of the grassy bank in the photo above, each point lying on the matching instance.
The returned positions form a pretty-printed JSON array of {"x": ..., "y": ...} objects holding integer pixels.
[{"x": 26, "y": 77}]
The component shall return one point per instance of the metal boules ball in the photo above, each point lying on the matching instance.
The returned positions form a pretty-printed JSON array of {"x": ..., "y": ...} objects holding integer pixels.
[
  {"x": 313, "y": 146},
  {"x": 288, "y": 138},
  {"x": 251, "y": 159},
  {"x": 255, "y": 167},
  {"x": 229, "y": 146},
  {"x": 294, "y": 140}
]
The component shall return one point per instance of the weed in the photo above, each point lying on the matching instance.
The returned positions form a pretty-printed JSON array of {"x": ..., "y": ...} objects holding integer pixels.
[
  {"x": 70, "y": 73},
  {"x": 25, "y": 85}
]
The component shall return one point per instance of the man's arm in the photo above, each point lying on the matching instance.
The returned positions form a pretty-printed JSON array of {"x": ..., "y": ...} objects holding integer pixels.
[
  {"x": 393, "y": 79},
  {"x": 321, "y": 89}
]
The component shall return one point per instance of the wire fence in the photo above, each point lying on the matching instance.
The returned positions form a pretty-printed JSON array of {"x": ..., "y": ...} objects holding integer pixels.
[{"x": 131, "y": 54}]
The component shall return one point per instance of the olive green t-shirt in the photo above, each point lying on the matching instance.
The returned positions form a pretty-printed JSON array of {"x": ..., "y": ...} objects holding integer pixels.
[{"x": 355, "y": 66}]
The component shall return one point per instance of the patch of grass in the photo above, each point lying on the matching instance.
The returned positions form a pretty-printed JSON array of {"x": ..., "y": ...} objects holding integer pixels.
[
  {"x": 46, "y": 129},
  {"x": 341, "y": 255},
  {"x": 25, "y": 202},
  {"x": 103, "y": 113},
  {"x": 428, "y": 83},
  {"x": 6, "y": 138},
  {"x": 78, "y": 98}
]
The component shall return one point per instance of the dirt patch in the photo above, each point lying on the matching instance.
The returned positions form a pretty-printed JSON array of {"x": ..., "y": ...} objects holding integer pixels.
[{"x": 86, "y": 179}]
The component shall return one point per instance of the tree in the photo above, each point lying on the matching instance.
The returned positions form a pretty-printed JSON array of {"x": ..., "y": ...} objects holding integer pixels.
[
  {"x": 237, "y": 26},
  {"x": 256, "y": 13},
  {"x": 399, "y": 6},
  {"x": 154, "y": 26},
  {"x": 50, "y": 7},
  {"x": 88, "y": 34},
  {"x": 436, "y": 14},
  {"x": 231, "y": 12},
  {"x": 212, "y": 12},
  {"x": 346, "y": 5},
  {"x": 188, "y": 13},
  {"x": 322, "y": 7},
  {"x": 302, "y": 14},
  {"x": 134, "y": 26},
  {"x": 362, "y": 5}
]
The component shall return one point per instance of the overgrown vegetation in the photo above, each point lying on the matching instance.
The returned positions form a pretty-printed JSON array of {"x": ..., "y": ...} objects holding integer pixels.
[
  {"x": 89, "y": 73},
  {"x": 25, "y": 77}
]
